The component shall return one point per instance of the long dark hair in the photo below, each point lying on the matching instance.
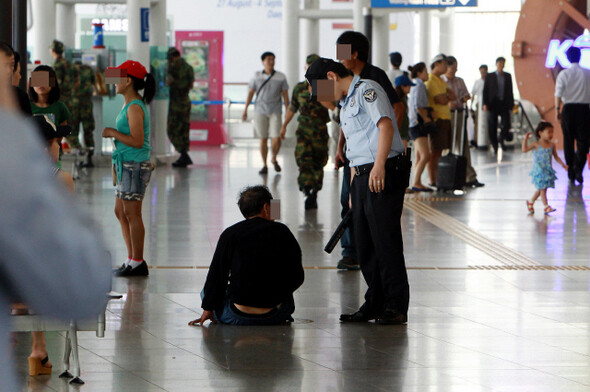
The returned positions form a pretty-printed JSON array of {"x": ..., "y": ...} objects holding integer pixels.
[
  {"x": 148, "y": 85},
  {"x": 416, "y": 69},
  {"x": 54, "y": 93}
]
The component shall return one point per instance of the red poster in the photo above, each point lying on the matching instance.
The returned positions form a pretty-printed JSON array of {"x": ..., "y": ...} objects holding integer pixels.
[{"x": 203, "y": 50}]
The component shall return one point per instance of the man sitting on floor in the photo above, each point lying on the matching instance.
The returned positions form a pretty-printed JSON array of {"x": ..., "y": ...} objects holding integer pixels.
[{"x": 255, "y": 269}]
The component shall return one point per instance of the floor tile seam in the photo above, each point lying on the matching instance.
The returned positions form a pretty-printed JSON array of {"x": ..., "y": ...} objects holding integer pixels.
[
  {"x": 469, "y": 236},
  {"x": 562, "y": 377}
]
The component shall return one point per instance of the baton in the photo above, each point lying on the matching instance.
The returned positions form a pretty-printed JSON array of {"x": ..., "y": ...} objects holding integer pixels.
[{"x": 339, "y": 232}]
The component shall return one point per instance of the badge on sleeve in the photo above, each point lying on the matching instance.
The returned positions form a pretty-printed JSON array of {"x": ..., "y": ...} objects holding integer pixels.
[
  {"x": 352, "y": 102},
  {"x": 370, "y": 95}
]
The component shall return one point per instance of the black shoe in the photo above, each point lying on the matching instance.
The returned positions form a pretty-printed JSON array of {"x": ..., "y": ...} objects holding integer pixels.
[
  {"x": 475, "y": 184},
  {"x": 117, "y": 271},
  {"x": 356, "y": 317},
  {"x": 349, "y": 264},
  {"x": 140, "y": 270},
  {"x": 183, "y": 161},
  {"x": 392, "y": 317},
  {"x": 264, "y": 170},
  {"x": 472, "y": 144},
  {"x": 579, "y": 178}
]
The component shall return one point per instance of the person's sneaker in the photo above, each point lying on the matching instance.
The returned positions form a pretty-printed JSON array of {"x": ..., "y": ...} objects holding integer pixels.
[
  {"x": 392, "y": 317},
  {"x": 356, "y": 317},
  {"x": 140, "y": 270},
  {"x": 348, "y": 263}
]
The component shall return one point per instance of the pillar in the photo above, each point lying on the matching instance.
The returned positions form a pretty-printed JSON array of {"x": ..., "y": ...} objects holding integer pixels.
[
  {"x": 158, "y": 29},
  {"x": 425, "y": 33},
  {"x": 290, "y": 41},
  {"x": 66, "y": 24},
  {"x": 19, "y": 35},
  {"x": 6, "y": 21},
  {"x": 447, "y": 32},
  {"x": 44, "y": 30},
  {"x": 380, "y": 44},
  {"x": 311, "y": 30},
  {"x": 358, "y": 22},
  {"x": 136, "y": 49}
]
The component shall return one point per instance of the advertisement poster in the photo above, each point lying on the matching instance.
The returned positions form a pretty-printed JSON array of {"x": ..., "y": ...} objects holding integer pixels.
[{"x": 203, "y": 50}]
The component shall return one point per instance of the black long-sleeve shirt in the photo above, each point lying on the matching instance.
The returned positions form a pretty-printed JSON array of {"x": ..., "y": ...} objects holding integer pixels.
[{"x": 258, "y": 263}]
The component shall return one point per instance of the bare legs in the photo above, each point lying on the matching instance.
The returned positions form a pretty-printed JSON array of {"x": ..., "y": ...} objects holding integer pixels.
[
  {"x": 275, "y": 147},
  {"x": 39, "y": 347},
  {"x": 422, "y": 158},
  {"x": 543, "y": 194},
  {"x": 129, "y": 215},
  {"x": 433, "y": 165}
]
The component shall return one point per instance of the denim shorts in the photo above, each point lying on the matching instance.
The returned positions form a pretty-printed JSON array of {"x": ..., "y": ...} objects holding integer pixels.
[{"x": 134, "y": 180}]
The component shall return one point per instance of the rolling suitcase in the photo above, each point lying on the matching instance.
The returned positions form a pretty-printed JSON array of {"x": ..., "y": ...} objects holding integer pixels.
[{"x": 452, "y": 168}]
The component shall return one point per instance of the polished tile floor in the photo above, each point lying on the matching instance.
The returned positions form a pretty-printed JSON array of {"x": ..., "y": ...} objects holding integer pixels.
[{"x": 500, "y": 300}]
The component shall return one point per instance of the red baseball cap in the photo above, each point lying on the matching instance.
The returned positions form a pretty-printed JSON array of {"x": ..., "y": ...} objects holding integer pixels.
[{"x": 133, "y": 68}]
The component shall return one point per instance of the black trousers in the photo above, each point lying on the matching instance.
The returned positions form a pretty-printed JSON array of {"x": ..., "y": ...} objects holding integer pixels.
[
  {"x": 575, "y": 123},
  {"x": 492, "y": 117},
  {"x": 378, "y": 236}
]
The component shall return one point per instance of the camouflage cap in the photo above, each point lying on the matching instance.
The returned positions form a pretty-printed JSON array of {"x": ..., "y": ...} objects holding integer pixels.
[
  {"x": 172, "y": 52},
  {"x": 311, "y": 58},
  {"x": 57, "y": 46}
]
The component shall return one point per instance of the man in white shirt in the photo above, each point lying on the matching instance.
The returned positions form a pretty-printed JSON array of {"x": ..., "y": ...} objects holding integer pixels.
[
  {"x": 477, "y": 102},
  {"x": 572, "y": 89},
  {"x": 395, "y": 58},
  {"x": 269, "y": 86}
]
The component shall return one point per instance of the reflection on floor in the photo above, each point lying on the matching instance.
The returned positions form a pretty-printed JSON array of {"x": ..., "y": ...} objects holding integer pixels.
[{"x": 485, "y": 315}]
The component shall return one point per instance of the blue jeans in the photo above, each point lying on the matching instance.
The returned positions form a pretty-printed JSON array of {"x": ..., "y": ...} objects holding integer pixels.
[
  {"x": 346, "y": 241},
  {"x": 229, "y": 314}
]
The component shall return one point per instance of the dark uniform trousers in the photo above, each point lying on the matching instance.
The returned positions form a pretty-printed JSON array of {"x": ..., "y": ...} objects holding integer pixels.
[
  {"x": 575, "y": 123},
  {"x": 494, "y": 110},
  {"x": 378, "y": 237}
]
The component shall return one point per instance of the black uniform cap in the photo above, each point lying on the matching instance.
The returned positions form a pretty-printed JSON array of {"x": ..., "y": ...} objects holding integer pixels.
[{"x": 319, "y": 69}]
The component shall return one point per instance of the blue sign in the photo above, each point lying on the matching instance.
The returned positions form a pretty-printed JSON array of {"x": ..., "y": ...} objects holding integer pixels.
[
  {"x": 145, "y": 24},
  {"x": 422, "y": 3}
]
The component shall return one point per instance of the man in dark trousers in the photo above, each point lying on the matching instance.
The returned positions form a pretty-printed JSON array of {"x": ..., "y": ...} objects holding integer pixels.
[
  {"x": 572, "y": 89},
  {"x": 180, "y": 78},
  {"x": 255, "y": 269},
  {"x": 381, "y": 173},
  {"x": 356, "y": 59},
  {"x": 498, "y": 100}
]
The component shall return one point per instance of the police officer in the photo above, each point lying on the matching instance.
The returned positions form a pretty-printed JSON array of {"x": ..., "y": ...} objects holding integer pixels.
[
  {"x": 311, "y": 152},
  {"x": 180, "y": 78},
  {"x": 83, "y": 110},
  {"x": 380, "y": 174}
]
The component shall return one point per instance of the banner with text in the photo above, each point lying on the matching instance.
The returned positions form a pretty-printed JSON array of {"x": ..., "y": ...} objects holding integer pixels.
[{"x": 422, "y": 3}]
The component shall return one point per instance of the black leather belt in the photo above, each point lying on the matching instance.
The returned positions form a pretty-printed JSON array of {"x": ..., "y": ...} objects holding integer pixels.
[{"x": 366, "y": 169}]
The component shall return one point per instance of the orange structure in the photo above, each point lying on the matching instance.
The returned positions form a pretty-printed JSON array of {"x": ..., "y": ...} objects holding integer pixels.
[{"x": 540, "y": 22}]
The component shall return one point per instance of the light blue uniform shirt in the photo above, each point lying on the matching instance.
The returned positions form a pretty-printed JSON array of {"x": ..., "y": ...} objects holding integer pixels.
[
  {"x": 418, "y": 99},
  {"x": 363, "y": 107}
]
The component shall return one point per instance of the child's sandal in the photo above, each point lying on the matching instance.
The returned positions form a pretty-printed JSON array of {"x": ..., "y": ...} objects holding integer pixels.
[
  {"x": 529, "y": 205},
  {"x": 548, "y": 209}
]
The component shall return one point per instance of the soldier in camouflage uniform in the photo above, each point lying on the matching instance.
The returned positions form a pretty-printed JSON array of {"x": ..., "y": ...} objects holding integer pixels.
[
  {"x": 83, "y": 110},
  {"x": 180, "y": 78},
  {"x": 311, "y": 152},
  {"x": 67, "y": 76}
]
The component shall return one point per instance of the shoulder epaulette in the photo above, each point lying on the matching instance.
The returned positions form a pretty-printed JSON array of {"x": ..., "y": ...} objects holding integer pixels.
[{"x": 358, "y": 83}]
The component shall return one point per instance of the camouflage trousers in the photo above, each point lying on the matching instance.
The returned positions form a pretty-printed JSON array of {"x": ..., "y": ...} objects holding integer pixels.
[
  {"x": 179, "y": 125},
  {"x": 81, "y": 109},
  {"x": 311, "y": 155}
]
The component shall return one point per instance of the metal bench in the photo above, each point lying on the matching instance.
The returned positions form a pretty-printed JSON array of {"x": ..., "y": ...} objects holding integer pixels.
[{"x": 37, "y": 323}]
